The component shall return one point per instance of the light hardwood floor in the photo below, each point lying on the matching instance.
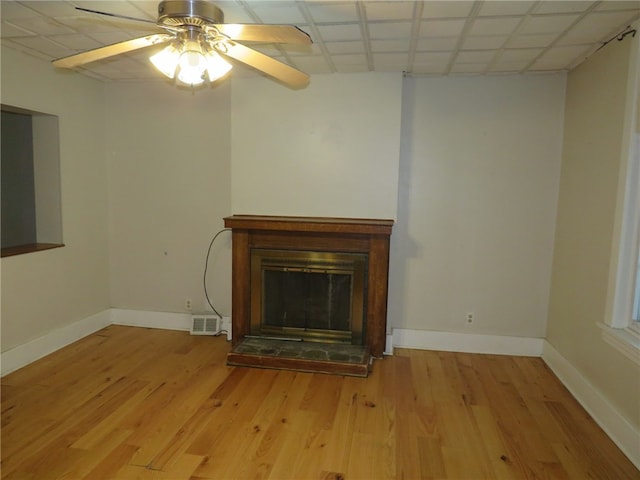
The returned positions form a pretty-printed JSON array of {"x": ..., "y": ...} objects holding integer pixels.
[{"x": 130, "y": 403}]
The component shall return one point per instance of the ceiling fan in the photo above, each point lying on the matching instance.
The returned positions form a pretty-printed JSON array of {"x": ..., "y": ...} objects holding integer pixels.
[{"x": 198, "y": 40}]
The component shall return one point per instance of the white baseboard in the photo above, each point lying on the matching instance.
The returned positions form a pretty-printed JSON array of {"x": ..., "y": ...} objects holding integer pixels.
[
  {"x": 467, "y": 342},
  {"x": 141, "y": 318},
  {"x": 29, "y": 352},
  {"x": 618, "y": 428}
]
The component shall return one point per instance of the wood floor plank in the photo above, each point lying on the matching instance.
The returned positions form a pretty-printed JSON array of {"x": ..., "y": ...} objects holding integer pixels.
[{"x": 130, "y": 402}]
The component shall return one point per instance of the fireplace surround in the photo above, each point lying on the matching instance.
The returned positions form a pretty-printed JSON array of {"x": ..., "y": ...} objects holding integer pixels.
[{"x": 337, "y": 272}]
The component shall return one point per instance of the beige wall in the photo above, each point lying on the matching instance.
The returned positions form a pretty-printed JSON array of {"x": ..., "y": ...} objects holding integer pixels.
[
  {"x": 597, "y": 96},
  {"x": 479, "y": 175},
  {"x": 168, "y": 153},
  {"x": 44, "y": 291},
  {"x": 466, "y": 217},
  {"x": 331, "y": 149}
]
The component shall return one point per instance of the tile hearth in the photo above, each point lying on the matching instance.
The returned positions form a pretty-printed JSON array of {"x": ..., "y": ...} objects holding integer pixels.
[{"x": 335, "y": 358}]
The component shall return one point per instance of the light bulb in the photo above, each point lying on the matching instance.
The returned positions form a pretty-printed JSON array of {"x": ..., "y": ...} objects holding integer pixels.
[{"x": 191, "y": 67}]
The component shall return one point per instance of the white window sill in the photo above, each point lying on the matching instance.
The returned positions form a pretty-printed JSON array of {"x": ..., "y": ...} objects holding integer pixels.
[{"x": 625, "y": 340}]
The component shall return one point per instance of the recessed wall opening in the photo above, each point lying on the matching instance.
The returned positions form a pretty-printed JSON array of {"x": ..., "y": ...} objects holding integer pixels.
[{"x": 31, "y": 194}]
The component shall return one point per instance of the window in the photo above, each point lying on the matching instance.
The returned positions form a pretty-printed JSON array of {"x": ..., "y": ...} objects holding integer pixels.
[
  {"x": 622, "y": 328},
  {"x": 635, "y": 316},
  {"x": 30, "y": 173}
]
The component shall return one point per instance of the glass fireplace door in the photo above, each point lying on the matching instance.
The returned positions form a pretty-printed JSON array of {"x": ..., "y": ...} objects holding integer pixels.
[{"x": 311, "y": 296}]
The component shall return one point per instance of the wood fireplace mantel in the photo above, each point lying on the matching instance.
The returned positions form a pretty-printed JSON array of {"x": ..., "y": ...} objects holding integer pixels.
[{"x": 355, "y": 235}]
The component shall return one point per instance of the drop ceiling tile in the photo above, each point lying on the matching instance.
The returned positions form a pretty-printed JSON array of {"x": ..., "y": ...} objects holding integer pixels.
[
  {"x": 532, "y": 41},
  {"x": 618, "y": 5},
  {"x": 390, "y": 62},
  {"x": 602, "y": 25},
  {"x": 13, "y": 11},
  {"x": 484, "y": 42},
  {"x": 76, "y": 41},
  {"x": 334, "y": 33},
  {"x": 468, "y": 68},
  {"x": 441, "y": 28},
  {"x": 434, "y": 69},
  {"x": 567, "y": 53},
  {"x": 119, "y": 8},
  {"x": 333, "y": 13},
  {"x": 519, "y": 54},
  {"x": 107, "y": 38},
  {"x": 390, "y": 45},
  {"x": 493, "y": 8},
  {"x": 560, "y": 57},
  {"x": 479, "y": 56},
  {"x": 150, "y": 8},
  {"x": 9, "y": 30},
  {"x": 494, "y": 26},
  {"x": 430, "y": 58},
  {"x": 436, "y": 43},
  {"x": 312, "y": 64},
  {"x": 234, "y": 13},
  {"x": 352, "y": 68},
  {"x": 51, "y": 9},
  {"x": 446, "y": 9},
  {"x": 42, "y": 45},
  {"x": 567, "y": 6},
  {"x": 355, "y": 46},
  {"x": 508, "y": 67},
  {"x": 94, "y": 23},
  {"x": 542, "y": 24},
  {"x": 389, "y": 30},
  {"x": 343, "y": 60},
  {"x": 396, "y": 10},
  {"x": 43, "y": 25},
  {"x": 277, "y": 13},
  {"x": 43, "y": 56}
]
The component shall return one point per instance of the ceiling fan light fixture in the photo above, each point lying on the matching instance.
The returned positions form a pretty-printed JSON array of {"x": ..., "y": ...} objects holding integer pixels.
[
  {"x": 192, "y": 66},
  {"x": 166, "y": 61},
  {"x": 217, "y": 67},
  {"x": 196, "y": 34},
  {"x": 190, "y": 63}
]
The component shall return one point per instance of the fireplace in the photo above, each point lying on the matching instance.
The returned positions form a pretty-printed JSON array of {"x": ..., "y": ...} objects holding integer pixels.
[{"x": 311, "y": 289}]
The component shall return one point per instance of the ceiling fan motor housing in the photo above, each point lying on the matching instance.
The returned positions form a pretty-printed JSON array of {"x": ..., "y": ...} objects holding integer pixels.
[{"x": 188, "y": 12}]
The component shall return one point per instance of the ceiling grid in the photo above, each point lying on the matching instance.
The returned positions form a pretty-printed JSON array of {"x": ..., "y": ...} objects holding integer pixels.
[{"x": 436, "y": 37}]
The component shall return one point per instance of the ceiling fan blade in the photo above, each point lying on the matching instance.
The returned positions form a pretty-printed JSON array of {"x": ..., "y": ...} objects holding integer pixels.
[
  {"x": 278, "y": 70},
  {"x": 111, "y": 50},
  {"x": 264, "y": 33},
  {"x": 115, "y": 15}
]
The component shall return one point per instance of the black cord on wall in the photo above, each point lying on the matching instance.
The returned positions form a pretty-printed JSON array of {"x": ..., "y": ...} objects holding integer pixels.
[{"x": 206, "y": 266}]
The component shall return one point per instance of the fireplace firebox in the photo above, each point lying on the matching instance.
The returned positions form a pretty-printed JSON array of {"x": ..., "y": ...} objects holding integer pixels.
[
  {"x": 317, "y": 282},
  {"x": 308, "y": 295}
]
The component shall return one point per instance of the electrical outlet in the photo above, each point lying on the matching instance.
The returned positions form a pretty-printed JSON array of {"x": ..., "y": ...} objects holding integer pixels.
[
  {"x": 470, "y": 318},
  {"x": 187, "y": 304}
]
